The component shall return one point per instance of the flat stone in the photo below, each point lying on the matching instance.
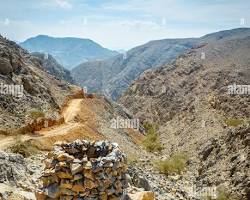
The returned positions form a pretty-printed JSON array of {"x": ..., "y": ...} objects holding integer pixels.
[
  {"x": 66, "y": 184},
  {"x": 78, "y": 188},
  {"x": 52, "y": 191},
  {"x": 67, "y": 192},
  {"x": 88, "y": 165},
  {"x": 65, "y": 157},
  {"x": 40, "y": 195},
  {"x": 78, "y": 177},
  {"x": 75, "y": 168},
  {"x": 89, "y": 184},
  {"x": 65, "y": 175}
]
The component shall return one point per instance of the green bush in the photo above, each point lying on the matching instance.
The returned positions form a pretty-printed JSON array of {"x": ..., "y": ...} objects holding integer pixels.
[
  {"x": 234, "y": 122},
  {"x": 151, "y": 141},
  {"x": 173, "y": 165},
  {"x": 34, "y": 114}
]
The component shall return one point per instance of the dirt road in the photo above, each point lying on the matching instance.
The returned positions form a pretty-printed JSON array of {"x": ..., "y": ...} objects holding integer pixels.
[{"x": 69, "y": 115}]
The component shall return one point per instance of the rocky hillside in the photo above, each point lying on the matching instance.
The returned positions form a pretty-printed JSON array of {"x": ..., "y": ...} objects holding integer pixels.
[
  {"x": 189, "y": 99},
  {"x": 53, "y": 67},
  {"x": 25, "y": 86},
  {"x": 112, "y": 76},
  {"x": 69, "y": 51}
]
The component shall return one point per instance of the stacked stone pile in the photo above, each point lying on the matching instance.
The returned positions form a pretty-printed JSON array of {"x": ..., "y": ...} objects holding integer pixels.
[{"x": 84, "y": 170}]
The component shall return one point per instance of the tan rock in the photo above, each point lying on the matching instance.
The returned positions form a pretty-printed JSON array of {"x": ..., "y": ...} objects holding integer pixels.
[
  {"x": 66, "y": 197},
  {"x": 67, "y": 192},
  {"x": 103, "y": 196},
  {"x": 65, "y": 175},
  {"x": 89, "y": 174},
  {"x": 78, "y": 188},
  {"x": 65, "y": 157},
  {"x": 142, "y": 196},
  {"x": 88, "y": 165},
  {"x": 89, "y": 184},
  {"x": 66, "y": 184},
  {"x": 40, "y": 196},
  {"x": 75, "y": 168}
]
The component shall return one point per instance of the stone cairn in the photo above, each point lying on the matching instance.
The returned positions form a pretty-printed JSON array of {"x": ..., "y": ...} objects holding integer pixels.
[{"x": 84, "y": 170}]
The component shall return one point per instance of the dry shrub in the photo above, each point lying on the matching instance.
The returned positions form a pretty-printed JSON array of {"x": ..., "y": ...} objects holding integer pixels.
[
  {"x": 173, "y": 165},
  {"x": 24, "y": 148},
  {"x": 151, "y": 141}
]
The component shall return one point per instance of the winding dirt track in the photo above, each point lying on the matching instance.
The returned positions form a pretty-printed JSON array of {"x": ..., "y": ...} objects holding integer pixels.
[{"x": 69, "y": 114}]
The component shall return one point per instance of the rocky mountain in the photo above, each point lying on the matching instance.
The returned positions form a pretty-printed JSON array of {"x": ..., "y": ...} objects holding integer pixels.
[
  {"x": 112, "y": 76},
  {"x": 69, "y": 51},
  {"x": 193, "y": 101},
  {"x": 25, "y": 85},
  {"x": 53, "y": 67}
]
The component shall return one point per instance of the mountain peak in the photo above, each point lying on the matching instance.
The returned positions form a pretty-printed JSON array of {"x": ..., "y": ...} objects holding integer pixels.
[{"x": 69, "y": 51}]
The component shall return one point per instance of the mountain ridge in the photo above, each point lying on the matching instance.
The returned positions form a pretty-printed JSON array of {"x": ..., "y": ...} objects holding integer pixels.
[
  {"x": 114, "y": 75},
  {"x": 69, "y": 51}
]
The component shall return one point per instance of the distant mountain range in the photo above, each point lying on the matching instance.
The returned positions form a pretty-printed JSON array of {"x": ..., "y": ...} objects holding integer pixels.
[
  {"x": 68, "y": 51},
  {"x": 114, "y": 75}
]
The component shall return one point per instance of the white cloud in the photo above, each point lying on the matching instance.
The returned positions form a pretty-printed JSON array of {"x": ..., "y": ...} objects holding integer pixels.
[{"x": 64, "y": 4}]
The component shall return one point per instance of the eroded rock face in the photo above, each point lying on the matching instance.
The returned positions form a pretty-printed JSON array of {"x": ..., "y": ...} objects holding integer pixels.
[
  {"x": 84, "y": 170},
  {"x": 11, "y": 167},
  {"x": 5, "y": 66}
]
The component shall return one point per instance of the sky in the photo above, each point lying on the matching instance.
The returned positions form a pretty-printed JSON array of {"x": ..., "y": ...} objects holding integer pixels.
[{"x": 120, "y": 24}]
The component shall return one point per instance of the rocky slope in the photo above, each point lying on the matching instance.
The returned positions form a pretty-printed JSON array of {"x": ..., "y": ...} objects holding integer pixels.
[
  {"x": 68, "y": 51},
  {"x": 34, "y": 88},
  {"x": 53, "y": 67},
  {"x": 190, "y": 101},
  {"x": 113, "y": 76}
]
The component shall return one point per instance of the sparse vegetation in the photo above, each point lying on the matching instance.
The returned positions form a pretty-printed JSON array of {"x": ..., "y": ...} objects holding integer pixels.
[
  {"x": 223, "y": 195},
  {"x": 132, "y": 159},
  {"x": 23, "y": 148},
  {"x": 34, "y": 114},
  {"x": 174, "y": 165},
  {"x": 152, "y": 140},
  {"x": 234, "y": 122}
]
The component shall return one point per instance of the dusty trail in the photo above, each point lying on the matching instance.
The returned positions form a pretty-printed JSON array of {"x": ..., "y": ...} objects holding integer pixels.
[
  {"x": 69, "y": 114},
  {"x": 71, "y": 111}
]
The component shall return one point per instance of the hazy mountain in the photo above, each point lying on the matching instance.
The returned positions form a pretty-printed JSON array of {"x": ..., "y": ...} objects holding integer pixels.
[
  {"x": 190, "y": 101},
  {"x": 112, "y": 76},
  {"x": 53, "y": 67},
  {"x": 69, "y": 51}
]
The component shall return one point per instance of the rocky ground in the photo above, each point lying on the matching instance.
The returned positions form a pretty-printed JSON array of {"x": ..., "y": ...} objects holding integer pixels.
[{"x": 190, "y": 102}]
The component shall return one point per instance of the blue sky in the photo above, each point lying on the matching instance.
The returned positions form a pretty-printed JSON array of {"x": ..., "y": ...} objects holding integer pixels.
[{"x": 120, "y": 24}]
